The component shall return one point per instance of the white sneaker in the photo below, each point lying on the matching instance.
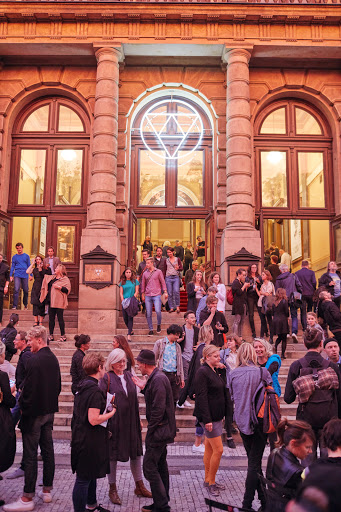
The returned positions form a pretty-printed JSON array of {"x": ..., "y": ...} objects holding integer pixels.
[
  {"x": 45, "y": 496},
  {"x": 180, "y": 406},
  {"x": 17, "y": 473},
  {"x": 198, "y": 449},
  {"x": 19, "y": 506},
  {"x": 187, "y": 404}
]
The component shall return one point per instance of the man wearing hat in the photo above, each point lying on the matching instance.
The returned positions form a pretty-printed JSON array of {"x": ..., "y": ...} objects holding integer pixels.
[
  {"x": 332, "y": 350},
  {"x": 161, "y": 429}
]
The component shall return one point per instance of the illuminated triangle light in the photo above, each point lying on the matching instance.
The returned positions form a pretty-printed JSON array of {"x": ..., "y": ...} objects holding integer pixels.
[{"x": 156, "y": 123}]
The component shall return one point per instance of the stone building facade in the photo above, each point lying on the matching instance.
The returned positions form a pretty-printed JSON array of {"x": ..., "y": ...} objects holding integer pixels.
[{"x": 173, "y": 119}]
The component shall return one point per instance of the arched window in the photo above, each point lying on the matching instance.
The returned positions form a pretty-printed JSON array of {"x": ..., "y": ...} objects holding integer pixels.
[
  {"x": 171, "y": 140},
  {"x": 48, "y": 181},
  {"x": 294, "y": 183},
  {"x": 293, "y": 147},
  {"x": 50, "y": 140}
]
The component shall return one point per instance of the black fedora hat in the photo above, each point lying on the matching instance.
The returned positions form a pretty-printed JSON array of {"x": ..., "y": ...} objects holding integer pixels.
[{"x": 146, "y": 357}]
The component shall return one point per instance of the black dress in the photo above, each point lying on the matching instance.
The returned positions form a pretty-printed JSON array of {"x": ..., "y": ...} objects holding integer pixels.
[
  {"x": 38, "y": 307},
  {"x": 76, "y": 371},
  {"x": 7, "y": 437},
  {"x": 126, "y": 440},
  {"x": 280, "y": 323},
  {"x": 89, "y": 444}
]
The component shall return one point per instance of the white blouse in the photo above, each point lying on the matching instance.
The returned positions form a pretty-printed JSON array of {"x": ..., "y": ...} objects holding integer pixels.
[{"x": 221, "y": 296}]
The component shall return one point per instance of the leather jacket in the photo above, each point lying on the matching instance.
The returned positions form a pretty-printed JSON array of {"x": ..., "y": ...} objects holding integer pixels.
[{"x": 284, "y": 468}]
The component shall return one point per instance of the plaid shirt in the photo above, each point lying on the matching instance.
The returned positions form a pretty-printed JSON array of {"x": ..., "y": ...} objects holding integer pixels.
[{"x": 306, "y": 385}]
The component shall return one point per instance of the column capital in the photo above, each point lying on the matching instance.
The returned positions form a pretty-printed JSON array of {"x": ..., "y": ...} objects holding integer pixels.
[
  {"x": 238, "y": 54},
  {"x": 103, "y": 51}
]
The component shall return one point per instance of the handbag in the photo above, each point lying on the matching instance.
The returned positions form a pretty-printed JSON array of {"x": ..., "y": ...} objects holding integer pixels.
[{"x": 295, "y": 299}]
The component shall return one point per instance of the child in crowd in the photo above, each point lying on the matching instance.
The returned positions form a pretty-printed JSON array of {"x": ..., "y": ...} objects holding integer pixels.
[{"x": 313, "y": 323}]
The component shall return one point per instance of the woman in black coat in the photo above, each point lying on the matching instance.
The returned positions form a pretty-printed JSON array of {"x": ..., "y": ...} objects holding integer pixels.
[
  {"x": 38, "y": 271},
  {"x": 284, "y": 470},
  {"x": 126, "y": 439},
  {"x": 89, "y": 443},
  {"x": 7, "y": 437},
  {"x": 210, "y": 409},
  {"x": 82, "y": 343},
  {"x": 280, "y": 325},
  {"x": 239, "y": 290}
]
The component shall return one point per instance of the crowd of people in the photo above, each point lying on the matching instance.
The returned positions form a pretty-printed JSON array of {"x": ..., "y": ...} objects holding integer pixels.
[
  {"x": 225, "y": 383},
  {"x": 50, "y": 289},
  {"x": 229, "y": 383}
]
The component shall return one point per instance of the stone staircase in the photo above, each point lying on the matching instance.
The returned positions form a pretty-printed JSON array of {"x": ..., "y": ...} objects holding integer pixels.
[{"x": 64, "y": 351}]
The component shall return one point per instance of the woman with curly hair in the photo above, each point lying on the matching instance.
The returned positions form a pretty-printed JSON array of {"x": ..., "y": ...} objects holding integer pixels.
[{"x": 129, "y": 287}]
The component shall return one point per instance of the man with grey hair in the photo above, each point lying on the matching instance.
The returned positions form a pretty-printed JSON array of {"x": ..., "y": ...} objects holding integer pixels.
[
  {"x": 38, "y": 402},
  {"x": 291, "y": 284},
  {"x": 4, "y": 282}
]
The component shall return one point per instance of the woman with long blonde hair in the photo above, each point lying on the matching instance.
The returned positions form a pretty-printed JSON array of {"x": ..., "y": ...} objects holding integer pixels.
[{"x": 210, "y": 407}]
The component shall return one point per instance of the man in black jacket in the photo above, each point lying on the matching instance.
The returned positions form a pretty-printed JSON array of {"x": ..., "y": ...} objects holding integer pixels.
[
  {"x": 4, "y": 282},
  {"x": 328, "y": 403},
  {"x": 161, "y": 429},
  {"x": 331, "y": 314},
  {"x": 308, "y": 281},
  {"x": 38, "y": 402}
]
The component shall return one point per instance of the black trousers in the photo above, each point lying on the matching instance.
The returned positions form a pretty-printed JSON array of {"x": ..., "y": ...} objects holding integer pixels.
[
  {"x": 307, "y": 306},
  {"x": 254, "y": 445},
  {"x": 265, "y": 320},
  {"x": 282, "y": 338},
  {"x": 155, "y": 470},
  {"x": 251, "y": 303},
  {"x": 128, "y": 320},
  {"x": 40, "y": 434},
  {"x": 52, "y": 319},
  {"x": 175, "y": 385}
]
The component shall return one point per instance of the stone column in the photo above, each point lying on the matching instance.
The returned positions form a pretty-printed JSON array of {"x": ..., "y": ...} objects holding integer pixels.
[
  {"x": 102, "y": 204},
  {"x": 98, "y": 308},
  {"x": 240, "y": 231}
]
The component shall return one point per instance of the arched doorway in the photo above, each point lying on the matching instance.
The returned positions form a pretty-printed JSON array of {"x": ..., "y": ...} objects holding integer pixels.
[
  {"x": 171, "y": 175},
  {"x": 295, "y": 196},
  {"x": 48, "y": 182}
]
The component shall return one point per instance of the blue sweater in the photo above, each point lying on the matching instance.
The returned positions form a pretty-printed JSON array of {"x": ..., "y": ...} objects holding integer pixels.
[
  {"x": 275, "y": 359},
  {"x": 20, "y": 263}
]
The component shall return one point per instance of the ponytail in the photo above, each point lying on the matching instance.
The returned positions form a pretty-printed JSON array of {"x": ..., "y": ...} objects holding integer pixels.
[
  {"x": 293, "y": 430},
  {"x": 14, "y": 319}
]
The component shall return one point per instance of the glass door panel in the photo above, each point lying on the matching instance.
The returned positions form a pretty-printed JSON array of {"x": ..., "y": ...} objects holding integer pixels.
[
  {"x": 190, "y": 179},
  {"x": 311, "y": 179},
  {"x": 152, "y": 188},
  {"x": 32, "y": 173},
  {"x": 274, "y": 178}
]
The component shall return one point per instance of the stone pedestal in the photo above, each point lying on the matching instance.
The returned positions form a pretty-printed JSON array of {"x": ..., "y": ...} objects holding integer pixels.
[
  {"x": 240, "y": 231},
  {"x": 98, "y": 308}
]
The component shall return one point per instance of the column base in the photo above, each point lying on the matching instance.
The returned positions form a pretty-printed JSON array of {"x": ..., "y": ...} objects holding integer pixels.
[{"x": 97, "y": 309}]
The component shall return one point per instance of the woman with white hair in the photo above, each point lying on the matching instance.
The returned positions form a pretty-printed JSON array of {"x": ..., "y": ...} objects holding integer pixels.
[
  {"x": 125, "y": 427},
  {"x": 7, "y": 438}
]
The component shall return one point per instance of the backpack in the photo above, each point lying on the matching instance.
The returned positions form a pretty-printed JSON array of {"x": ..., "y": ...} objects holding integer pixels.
[
  {"x": 229, "y": 297},
  {"x": 322, "y": 405},
  {"x": 266, "y": 403}
]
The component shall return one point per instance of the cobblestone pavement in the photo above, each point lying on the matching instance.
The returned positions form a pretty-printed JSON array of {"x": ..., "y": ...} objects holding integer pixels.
[{"x": 186, "y": 482}]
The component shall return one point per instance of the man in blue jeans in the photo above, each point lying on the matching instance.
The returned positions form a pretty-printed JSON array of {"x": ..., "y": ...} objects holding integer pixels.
[
  {"x": 152, "y": 287},
  {"x": 20, "y": 263}
]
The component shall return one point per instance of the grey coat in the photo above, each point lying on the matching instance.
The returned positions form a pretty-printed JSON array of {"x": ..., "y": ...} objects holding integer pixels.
[{"x": 244, "y": 382}]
